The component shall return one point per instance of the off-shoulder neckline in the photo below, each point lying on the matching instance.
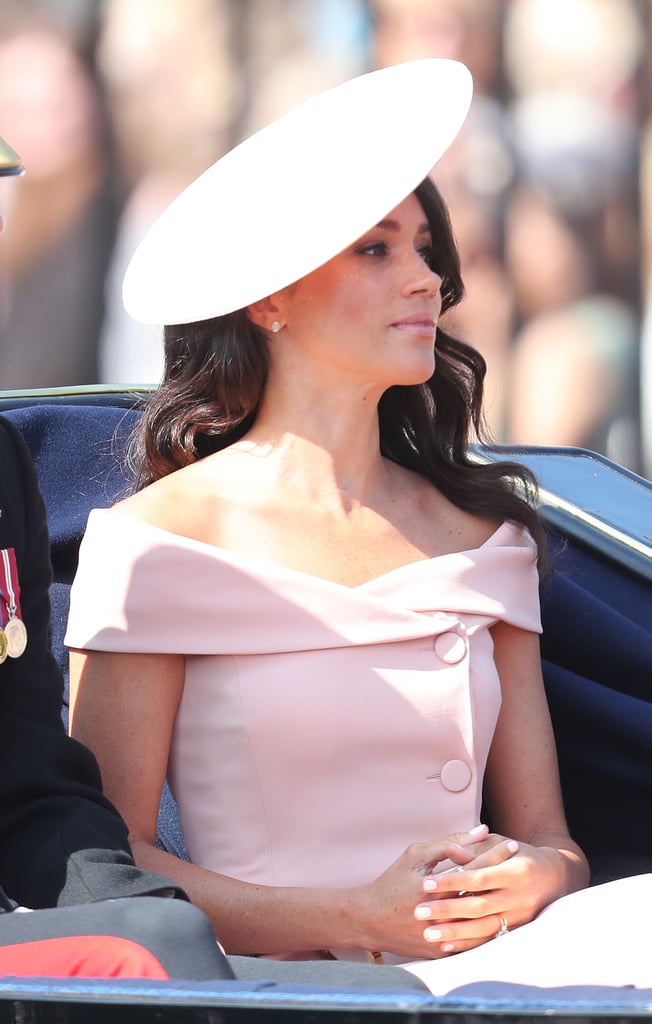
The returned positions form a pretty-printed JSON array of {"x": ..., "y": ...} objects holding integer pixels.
[{"x": 239, "y": 558}]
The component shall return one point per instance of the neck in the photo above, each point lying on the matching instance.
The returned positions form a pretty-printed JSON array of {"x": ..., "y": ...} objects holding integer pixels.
[{"x": 328, "y": 451}]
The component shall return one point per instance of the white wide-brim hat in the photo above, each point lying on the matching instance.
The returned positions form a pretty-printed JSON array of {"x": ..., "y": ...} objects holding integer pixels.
[{"x": 296, "y": 193}]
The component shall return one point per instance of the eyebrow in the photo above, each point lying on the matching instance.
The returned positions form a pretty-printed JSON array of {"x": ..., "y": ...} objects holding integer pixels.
[{"x": 393, "y": 225}]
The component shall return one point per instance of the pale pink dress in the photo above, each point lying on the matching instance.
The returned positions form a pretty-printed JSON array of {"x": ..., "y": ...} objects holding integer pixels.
[{"x": 322, "y": 728}]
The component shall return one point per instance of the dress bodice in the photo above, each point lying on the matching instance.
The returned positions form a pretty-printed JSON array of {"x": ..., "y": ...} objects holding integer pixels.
[{"x": 322, "y": 728}]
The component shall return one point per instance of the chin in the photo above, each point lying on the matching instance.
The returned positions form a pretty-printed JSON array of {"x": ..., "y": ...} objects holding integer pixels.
[{"x": 414, "y": 374}]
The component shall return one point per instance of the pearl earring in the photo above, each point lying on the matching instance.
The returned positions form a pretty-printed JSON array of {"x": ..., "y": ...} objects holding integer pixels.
[{"x": 276, "y": 326}]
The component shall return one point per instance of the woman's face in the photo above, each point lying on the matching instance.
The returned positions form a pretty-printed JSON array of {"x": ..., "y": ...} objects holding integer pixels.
[{"x": 372, "y": 311}]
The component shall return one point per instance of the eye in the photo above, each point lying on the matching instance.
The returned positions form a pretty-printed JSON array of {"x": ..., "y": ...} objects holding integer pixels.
[
  {"x": 426, "y": 253},
  {"x": 372, "y": 249}
]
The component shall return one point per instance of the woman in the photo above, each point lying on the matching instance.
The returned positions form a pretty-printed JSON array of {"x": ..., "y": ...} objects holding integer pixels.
[{"x": 324, "y": 611}]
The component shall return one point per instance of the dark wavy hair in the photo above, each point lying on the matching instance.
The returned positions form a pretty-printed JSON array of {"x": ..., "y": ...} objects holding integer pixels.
[{"x": 216, "y": 370}]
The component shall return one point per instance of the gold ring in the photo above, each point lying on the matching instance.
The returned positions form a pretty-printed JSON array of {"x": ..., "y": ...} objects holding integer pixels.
[{"x": 503, "y": 926}]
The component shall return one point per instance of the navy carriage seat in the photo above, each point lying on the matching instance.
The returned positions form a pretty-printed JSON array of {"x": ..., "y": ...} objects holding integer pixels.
[
  {"x": 79, "y": 454},
  {"x": 596, "y": 647}
]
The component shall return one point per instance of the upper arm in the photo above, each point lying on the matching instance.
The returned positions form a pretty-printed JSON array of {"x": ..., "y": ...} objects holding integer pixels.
[
  {"x": 123, "y": 707},
  {"x": 522, "y": 786}
]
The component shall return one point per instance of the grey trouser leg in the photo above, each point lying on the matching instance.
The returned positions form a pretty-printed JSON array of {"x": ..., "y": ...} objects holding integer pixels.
[{"x": 326, "y": 973}]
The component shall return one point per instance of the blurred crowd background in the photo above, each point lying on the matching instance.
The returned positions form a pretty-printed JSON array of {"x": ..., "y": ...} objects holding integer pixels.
[{"x": 115, "y": 105}]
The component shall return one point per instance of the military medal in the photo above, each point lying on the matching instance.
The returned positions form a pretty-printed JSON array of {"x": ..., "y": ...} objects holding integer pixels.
[
  {"x": 14, "y": 633},
  {"x": 15, "y": 637}
]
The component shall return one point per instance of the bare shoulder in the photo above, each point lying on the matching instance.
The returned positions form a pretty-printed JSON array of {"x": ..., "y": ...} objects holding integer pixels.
[
  {"x": 183, "y": 501},
  {"x": 445, "y": 527},
  {"x": 150, "y": 504}
]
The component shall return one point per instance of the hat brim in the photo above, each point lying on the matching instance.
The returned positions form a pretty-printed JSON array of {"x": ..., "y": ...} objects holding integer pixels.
[{"x": 295, "y": 194}]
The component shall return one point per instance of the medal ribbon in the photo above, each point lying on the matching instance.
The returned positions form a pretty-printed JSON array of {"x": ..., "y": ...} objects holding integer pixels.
[{"x": 9, "y": 586}]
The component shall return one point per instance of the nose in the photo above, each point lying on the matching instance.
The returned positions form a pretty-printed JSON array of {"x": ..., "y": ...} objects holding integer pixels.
[{"x": 419, "y": 277}]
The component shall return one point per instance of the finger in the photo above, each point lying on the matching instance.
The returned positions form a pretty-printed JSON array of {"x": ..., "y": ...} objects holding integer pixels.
[
  {"x": 452, "y": 886},
  {"x": 475, "y": 835},
  {"x": 463, "y": 878},
  {"x": 486, "y": 844},
  {"x": 498, "y": 854},
  {"x": 470, "y": 907},
  {"x": 458, "y": 881},
  {"x": 432, "y": 854},
  {"x": 454, "y": 847},
  {"x": 459, "y": 935}
]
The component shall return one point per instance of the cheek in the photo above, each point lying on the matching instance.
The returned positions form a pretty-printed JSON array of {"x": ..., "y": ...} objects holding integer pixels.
[
  {"x": 356, "y": 295},
  {"x": 330, "y": 300}
]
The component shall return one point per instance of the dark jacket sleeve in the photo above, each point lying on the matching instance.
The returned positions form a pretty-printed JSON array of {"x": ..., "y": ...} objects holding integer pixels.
[{"x": 61, "y": 841}]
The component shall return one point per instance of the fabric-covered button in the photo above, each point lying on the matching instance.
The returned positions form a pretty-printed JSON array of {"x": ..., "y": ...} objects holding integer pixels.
[
  {"x": 450, "y": 647},
  {"x": 455, "y": 776}
]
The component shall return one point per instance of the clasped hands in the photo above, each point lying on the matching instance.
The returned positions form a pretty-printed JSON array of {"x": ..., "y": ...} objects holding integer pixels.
[{"x": 495, "y": 883}]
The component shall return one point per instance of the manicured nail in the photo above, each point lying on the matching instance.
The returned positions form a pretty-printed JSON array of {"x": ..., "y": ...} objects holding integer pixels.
[
  {"x": 512, "y": 846},
  {"x": 476, "y": 831},
  {"x": 432, "y": 934},
  {"x": 447, "y": 947},
  {"x": 429, "y": 884},
  {"x": 423, "y": 913}
]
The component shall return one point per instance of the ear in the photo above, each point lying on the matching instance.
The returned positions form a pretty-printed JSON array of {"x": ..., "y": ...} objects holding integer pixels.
[{"x": 264, "y": 313}]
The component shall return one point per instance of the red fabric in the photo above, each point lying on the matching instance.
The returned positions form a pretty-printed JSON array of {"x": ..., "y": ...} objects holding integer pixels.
[{"x": 80, "y": 956}]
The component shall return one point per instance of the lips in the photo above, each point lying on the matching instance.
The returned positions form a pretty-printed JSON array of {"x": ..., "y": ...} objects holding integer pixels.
[{"x": 416, "y": 323}]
